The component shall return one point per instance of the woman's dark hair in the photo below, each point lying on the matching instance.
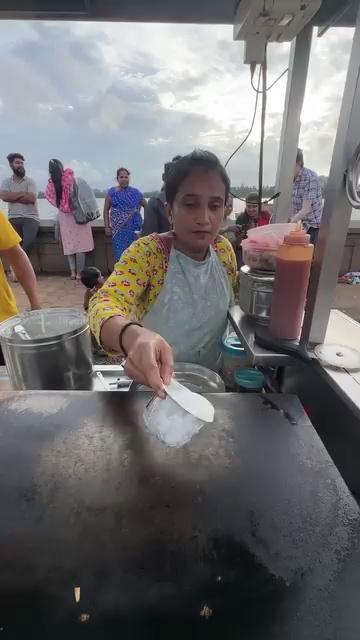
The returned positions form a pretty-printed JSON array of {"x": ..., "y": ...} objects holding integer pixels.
[
  {"x": 182, "y": 168},
  {"x": 252, "y": 197},
  {"x": 300, "y": 158},
  {"x": 56, "y": 170},
  {"x": 120, "y": 170},
  {"x": 13, "y": 156},
  {"x": 90, "y": 276}
]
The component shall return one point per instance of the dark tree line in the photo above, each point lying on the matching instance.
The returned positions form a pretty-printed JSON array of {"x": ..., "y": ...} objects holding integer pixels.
[{"x": 240, "y": 192}]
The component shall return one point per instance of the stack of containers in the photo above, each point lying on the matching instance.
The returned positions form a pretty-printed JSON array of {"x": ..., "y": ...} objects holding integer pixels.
[
  {"x": 261, "y": 246},
  {"x": 234, "y": 357}
]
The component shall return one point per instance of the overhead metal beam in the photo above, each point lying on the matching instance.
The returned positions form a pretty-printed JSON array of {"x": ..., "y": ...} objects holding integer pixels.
[
  {"x": 294, "y": 98},
  {"x": 181, "y": 11},
  {"x": 337, "y": 209},
  {"x": 334, "y": 18}
]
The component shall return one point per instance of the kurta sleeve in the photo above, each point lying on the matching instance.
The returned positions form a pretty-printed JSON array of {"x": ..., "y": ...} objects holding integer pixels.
[{"x": 123, "y": 292}]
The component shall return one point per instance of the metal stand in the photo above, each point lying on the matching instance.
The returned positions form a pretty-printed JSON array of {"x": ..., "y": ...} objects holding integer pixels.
[
  {"x": 295, "y": 91},
  {"x": 337, "y": 209}
]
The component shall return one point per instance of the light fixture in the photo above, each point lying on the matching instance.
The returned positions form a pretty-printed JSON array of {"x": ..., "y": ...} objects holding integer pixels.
[
  {"x": 265, "y": 21},
  {"x": 286, "y": 19}
]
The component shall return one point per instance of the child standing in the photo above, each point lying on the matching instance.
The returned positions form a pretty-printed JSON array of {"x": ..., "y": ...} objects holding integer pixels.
[{"x": 93, "y": 280}]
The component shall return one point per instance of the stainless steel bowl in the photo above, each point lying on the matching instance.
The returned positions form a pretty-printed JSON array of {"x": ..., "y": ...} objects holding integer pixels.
[
  {"x": 256, "y": 290},
  {"x": 195, "y": 377}
]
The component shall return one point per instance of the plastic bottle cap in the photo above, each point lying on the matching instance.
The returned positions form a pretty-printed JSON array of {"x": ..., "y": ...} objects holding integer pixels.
[
  {"x": 232, "y": 346},
  {"x": 297, "y": 237},
  {"x": 249, "y": 378}
]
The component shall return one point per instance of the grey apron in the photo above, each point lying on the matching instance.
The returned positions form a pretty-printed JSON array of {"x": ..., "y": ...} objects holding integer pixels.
[{"x": 190, "y": 311}]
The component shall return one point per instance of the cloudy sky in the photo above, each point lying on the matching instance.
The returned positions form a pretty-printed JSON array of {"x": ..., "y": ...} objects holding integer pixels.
[{"x": 99, "y": 96}]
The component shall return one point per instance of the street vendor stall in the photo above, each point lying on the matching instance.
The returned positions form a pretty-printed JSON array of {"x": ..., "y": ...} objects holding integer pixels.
[{"x": 250, "y": 528}]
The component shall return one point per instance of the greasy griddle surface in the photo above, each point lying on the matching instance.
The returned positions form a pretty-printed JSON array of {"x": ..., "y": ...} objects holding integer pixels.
[{"x": 248, "y": 529}]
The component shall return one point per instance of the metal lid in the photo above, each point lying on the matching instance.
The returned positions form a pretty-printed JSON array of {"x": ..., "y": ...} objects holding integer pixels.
[
  {"x": 42, "y": 326},
  {"x": 257, "y": 276}
]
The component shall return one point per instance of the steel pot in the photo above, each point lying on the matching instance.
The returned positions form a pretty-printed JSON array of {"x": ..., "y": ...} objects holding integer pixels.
[
  {"x": 48, "y": 349},
  {"x": 256, "y": 290}
]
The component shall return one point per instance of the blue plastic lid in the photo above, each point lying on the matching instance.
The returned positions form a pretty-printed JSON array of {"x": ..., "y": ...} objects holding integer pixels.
[
  {"x": 232, "y": 345},
  {"x": 249, "y": 378}
]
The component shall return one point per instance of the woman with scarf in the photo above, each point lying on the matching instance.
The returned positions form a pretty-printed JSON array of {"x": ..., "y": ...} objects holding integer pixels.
[
  {"x": 77, "y": 239},
  {"x": 122, "y": 218}
]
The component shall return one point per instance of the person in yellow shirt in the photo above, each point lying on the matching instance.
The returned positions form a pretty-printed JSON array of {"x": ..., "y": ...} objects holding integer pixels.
[
  {"x": 169, "y": 294},
  {"x": 21, "y": 265}
]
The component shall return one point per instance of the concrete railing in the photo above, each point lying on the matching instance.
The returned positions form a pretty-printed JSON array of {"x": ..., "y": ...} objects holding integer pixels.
[{"x": 47, "y": 255}]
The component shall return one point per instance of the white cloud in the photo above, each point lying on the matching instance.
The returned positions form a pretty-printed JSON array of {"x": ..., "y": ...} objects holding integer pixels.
[
  {"x": 137, "y": 94},
  {"x": 86, "y": 171},
  {"x": 155, "y": 141},
  {"x": 48, "y": 106}
]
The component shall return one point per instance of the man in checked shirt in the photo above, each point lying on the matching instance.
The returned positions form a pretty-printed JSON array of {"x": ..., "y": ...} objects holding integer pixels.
[{"x": 306, "y": 198}]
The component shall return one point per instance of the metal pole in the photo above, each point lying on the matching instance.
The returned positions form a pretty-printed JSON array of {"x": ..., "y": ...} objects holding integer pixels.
[
  {"x": 337, "y": 209},
  {"x": 295, "y": 91}
]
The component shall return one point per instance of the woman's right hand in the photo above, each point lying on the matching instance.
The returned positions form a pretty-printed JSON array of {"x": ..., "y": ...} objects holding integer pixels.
[
  {"x": 149, "y": 360},
  {"x": 108, "y": 231}
]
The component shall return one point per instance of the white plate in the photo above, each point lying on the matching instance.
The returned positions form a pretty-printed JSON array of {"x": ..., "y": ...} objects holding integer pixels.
[
  {"x": 338, "y": 355},
  {"x": 193, "y": 403}
]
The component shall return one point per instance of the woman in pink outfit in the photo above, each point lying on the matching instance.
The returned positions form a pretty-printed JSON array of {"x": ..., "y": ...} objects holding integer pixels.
[{"x": 77, "y": 239}]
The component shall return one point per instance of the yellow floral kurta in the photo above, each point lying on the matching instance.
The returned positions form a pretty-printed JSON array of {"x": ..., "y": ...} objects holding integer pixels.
[{"x": 138, "y": 277}]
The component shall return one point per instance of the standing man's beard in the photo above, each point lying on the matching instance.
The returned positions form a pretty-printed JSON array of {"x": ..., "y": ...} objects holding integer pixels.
[{"x": 20, "y": 172}]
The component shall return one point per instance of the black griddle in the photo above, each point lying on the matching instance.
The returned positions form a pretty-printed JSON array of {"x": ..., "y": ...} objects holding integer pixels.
[{"x": 248, "y": 532}]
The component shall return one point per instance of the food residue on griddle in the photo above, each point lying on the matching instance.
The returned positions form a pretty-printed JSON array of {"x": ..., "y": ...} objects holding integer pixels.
[
  {"x": 206, "y": 612},
  {"x": 84, "y": 617}
]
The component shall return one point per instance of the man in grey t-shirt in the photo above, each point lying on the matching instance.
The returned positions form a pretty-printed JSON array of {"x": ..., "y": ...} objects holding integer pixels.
[{"x": 20, "y": 192}]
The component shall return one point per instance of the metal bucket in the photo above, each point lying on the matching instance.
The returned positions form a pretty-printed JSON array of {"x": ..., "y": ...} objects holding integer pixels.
[{"x": 48, "y": 349}]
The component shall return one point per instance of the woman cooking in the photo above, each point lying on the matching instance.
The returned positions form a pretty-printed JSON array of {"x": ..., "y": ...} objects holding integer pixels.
[
  {"x": 168, "y": 296},
  {"x": 122, "y": 218}
]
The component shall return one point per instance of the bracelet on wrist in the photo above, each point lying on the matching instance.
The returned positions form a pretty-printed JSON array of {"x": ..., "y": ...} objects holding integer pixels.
[{"x": 121, "y": 335}]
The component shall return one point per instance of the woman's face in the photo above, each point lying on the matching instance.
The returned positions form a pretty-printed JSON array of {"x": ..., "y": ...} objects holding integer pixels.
[
  {"x": 123, "y": 179},
  {"x": 198, "y": 210}
]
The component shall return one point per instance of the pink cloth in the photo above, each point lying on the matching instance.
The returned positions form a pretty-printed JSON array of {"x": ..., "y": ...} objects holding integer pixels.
[
  {"x": 75, "y": 238},
  {"x": 67, "y": 185}
]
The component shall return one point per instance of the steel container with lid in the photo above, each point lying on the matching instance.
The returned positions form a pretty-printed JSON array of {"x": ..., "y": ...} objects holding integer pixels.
[
  {"x": 49, "y": 349},
  {"x": 256, "y": 290}
]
